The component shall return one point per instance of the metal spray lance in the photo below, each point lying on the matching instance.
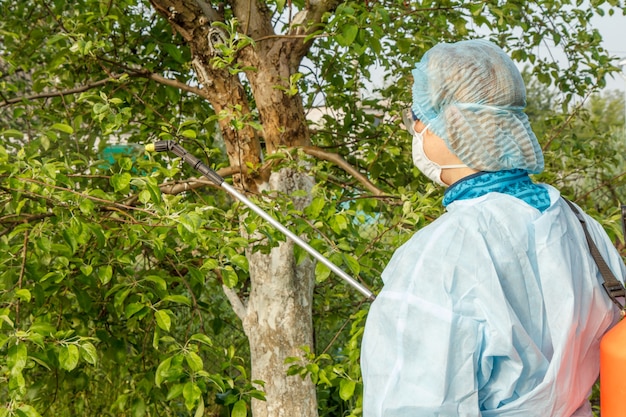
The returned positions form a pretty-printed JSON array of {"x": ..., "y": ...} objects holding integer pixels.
[{"x": 169, "y": 145}]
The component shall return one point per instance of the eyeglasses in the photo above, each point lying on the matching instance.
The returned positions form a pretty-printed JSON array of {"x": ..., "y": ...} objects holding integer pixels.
[{"x": 409, "y": 119}]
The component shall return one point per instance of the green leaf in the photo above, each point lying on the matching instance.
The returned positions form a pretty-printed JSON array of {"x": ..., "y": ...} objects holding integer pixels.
[
  {"x": 68, "y": 357},
  {"x": 229, "y": 276},
  {"x": 158, "y": 281},
  {"x": 191, "y": 394},
  {"x": 43, "y": 327},
  {"x": 315, "y": 208},
  {"x": 175, "y": 391},
  {"x": 156, "y": 338},
  {"x": 163, "y": 320},
  {"x": 27, "y": 411},
  {"x": 191, "y": 221},
  {"x": 191, "y": 134},
  {"x": 120, "y": 182},
  {"x": 86, "y": 206},
  {"x": 16, "y": 358},
  {"x": 174, "y": 52},
  {"x": 63, "y": 128},
  {"x": 17, "y": 383},
  {"x": 338, "y": 223},
  {"x": 11, "y": 133},
  {"x": 202, "y": 338},
  {"x": 138, "y": 408},
  {"x": 352, "y": 263},
  {"x": 89, "y": 353},
  {"x": 126, "y": 164},
  {"x": 119, "y": 298},
  {"x": 239, "y": 409},
  {"x": 180, "y": 299},
  {"x": 200, "y": 410},
  {"x": 240, "y": 261},
  {"x": 154, "y": 190},
  {"x": 86, "y": 270},
  {"x": 133, "y": 308},
  {"x": 346, "y": 389},
  {"x": 162, "y": 371},
  {"x": 210, "y": 264},
  {"x": 322, "y": 272},
  {"x": 23, "y": 294},
  {"x": 348, "y": 35},
  {"x": 105, "y": 273},
  {"x": 100, "y": 108},
  {"x": 144, "y": 196},
  {"x": 70, "y": 239},
  {"x": 194, "y": 361},
  {"x": 5, "y": 318}
]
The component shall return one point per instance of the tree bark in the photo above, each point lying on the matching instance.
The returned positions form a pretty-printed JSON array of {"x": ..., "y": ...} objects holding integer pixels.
[
  {"x": 278, "y": 320},
  {"x": 277, "y": 317}
]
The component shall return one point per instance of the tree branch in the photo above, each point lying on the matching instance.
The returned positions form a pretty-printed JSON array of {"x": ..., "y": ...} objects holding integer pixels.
[
  {"x": 175, "y": 83},
  {"x": 254, "y": 16},
  {"x": 313, "y": 14},
  {"x": 193, "y": 183},
  {"x": 50, "y": 94},
  {"x": 311, "y": 17},
  {"x": 23, "y": 218},
  {"x": 343, "y": 164},
  {"x": 208, "y": 11},
  {"x": 238, "y": 307},
  {"x": 137, "y": 74},
  {"x": 109, "y": 203}
]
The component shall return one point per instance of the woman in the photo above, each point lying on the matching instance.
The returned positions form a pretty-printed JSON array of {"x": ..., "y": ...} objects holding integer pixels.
[{"x": 497, "y": 307}]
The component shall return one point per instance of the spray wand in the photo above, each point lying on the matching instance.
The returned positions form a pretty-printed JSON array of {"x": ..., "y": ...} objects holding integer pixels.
[{"x": 169, "y": 145}]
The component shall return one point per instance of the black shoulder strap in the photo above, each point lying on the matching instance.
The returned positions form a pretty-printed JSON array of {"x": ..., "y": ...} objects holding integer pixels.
[{"x": 613, "y": 287}]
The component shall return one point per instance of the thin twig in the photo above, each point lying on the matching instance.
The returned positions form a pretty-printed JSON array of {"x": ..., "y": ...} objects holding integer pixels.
[
  {"x": 21, "y": 277},
  {"x": 83, "y": 195},
  {"x": 567, "y": 121},
  {"x": 196, "y": 307}
]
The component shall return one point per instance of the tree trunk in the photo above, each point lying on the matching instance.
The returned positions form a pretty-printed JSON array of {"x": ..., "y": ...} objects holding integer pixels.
[
  {"x": 277, "y": 317},
  {"x": 278, "y": 321}
]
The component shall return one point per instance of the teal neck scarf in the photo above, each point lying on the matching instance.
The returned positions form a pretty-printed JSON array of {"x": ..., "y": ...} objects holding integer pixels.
[{"x": 515, "y": 182}]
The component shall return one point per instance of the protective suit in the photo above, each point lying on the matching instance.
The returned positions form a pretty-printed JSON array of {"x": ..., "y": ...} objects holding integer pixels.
[{"x": 495, "y": 309}]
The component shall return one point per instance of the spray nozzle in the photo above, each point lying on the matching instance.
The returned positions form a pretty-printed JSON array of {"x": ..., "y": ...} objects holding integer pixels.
[
  {"x": 160, "y": 146},
  {"x": 170, "y": 145}
]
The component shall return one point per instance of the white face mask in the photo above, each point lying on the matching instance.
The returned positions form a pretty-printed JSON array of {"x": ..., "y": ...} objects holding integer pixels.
[{"x": 429, "y": 168}]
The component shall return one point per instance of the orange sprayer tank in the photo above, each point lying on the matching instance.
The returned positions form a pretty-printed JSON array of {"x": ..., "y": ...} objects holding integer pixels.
[{"x": 613, "y": 372}]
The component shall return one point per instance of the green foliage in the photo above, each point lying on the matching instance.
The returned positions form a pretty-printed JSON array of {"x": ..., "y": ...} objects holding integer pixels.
[
  {"x": 95, "y": 302},
  {"x": 111, "y": 298},
  {"x": 338, "y": 375}
]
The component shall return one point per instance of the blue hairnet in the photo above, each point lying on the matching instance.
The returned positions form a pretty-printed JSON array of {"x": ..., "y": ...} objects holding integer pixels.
[{"x": 472, "y": 95}]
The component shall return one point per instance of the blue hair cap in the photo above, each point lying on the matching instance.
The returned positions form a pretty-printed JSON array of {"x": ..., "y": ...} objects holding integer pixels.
[{"x": 472, "y": 95}]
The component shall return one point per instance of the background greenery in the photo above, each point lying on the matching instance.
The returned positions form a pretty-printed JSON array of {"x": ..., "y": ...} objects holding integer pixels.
[{"x": 111, "y": 299}]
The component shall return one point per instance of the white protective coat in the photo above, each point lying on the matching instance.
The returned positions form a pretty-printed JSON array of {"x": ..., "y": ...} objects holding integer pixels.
[{"x": 495, "y": 309}]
